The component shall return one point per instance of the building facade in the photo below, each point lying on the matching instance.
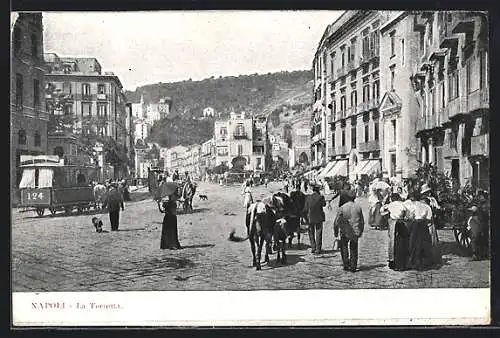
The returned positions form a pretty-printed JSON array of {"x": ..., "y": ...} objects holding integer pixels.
[
  {"x": 241, "y": 138},
  {"x": 29, "y": 118},
  {"x": 451, "y": 81},
  {"x": 345, "y": 126},
  {"x": 207, "y": 158},
  {"x": 399, "y": 106},
  {"x": 93, "y": 97}
]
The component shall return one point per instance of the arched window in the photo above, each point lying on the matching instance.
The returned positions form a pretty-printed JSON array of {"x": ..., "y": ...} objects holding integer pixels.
[
  {"x": 21, "y": 136},
  {"x": 38, "y": 139}
]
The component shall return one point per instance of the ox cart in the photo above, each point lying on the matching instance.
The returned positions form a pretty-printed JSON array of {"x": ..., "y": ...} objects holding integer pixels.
[{"x": 49, "y": 182}]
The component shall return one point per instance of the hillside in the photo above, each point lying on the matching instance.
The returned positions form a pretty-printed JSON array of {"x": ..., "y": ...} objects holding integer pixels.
[{"x": 254, "y": 94}]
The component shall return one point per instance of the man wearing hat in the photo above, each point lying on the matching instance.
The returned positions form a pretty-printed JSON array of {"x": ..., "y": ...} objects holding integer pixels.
[
  {"x": 478, "y": 231},
  {"x": 313, "y": 208},
  {"x": 350, "y": 223},
  {"x": 114, "y": 202}
]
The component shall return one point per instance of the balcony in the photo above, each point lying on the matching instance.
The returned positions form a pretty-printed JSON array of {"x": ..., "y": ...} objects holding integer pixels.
[
  {"x": 86, "y": 97},
  {"x": 478, "y": 99},
  {"x": 340, "y": 72},
  {"x": 240, "y": 136},
  {"x": 351, "y": 65},
  {"x": 373, "y": 104},
  {"x": 369, "y": 146},
  {"x": 449, "y": 152},
  {"x": 480, "y": 145},
  {"x": 317, "y": 138},
  {"x": 352, "y": 110},
  {"x": 102, "y": 97},
  {"x": 341, "y": 150}
]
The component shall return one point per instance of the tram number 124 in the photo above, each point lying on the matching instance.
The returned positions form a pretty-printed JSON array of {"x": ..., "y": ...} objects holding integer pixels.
[{"x": 33, "y": 196}]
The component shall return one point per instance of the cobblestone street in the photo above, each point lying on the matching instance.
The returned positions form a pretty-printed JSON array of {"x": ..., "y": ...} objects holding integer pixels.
[{"x": 64, "y": 253}]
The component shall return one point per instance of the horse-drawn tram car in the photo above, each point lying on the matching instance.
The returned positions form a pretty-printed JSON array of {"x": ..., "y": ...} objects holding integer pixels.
[{"x": 53, "y": 183}]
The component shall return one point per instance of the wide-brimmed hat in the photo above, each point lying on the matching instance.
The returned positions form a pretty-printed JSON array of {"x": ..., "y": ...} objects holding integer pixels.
[{"x": 425, "y": 188}]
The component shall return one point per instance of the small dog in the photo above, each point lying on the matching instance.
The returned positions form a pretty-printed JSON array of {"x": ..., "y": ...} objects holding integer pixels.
[
  {"x": 203, "y": 197},
  {"x": 97, "y": 223}
]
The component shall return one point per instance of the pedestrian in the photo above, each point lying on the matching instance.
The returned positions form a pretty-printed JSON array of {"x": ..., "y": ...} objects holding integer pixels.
[
  {"x": 349, "y": 224},
  {"x": 420, "y": 241},
  {"x": 396, "y": 212},
  {"x": 175, "y": 176},
  {"x": 248, "y": 195},
  {"x": 313, "y": 208},
  {"x": 305, "y": 185},
  {"x": 286, "y": 186},
  {"x": 114, "y": 202},
  {"x": 266, "y": 181},
  {"x": 375, "y": 203},
  {"x": 169, "y": 233}
]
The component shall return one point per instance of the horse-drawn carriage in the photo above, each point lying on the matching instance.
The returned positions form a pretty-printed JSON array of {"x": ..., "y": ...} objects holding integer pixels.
[
  {"x": 181, "y": 192},
  {"x": 49, "y": 182}
]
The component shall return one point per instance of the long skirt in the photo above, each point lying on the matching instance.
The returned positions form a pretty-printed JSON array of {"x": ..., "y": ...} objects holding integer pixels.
[
  {"x": 401, "y": 246},
  {"x": 375, "y": 216},
  {"x": 421, "y": 252},
  {"x": 169, "y": 236}
]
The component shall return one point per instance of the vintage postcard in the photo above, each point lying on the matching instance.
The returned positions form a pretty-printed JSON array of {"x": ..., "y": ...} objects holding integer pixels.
[{"x": 250, "y": 168}]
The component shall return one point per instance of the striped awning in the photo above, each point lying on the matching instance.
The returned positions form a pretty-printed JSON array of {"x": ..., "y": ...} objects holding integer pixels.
[
  {"x": 326, "y": 169},
  {"x": 373, "y": 166},
  {"x": 340, "y": 168}
]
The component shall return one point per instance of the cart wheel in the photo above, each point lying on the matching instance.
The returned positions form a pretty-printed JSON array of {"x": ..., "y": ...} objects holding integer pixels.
[
  {"x": 53, "y": 210},
  {"x": 40, "y": 211},
  {"x": 79, "y": 210},
  {"x": 462, "y": 236}
]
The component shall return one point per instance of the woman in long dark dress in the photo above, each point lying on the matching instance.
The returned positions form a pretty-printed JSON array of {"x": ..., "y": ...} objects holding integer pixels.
[
  {"x": 169, "y": 235},
  {"x": 420, "y": 245}
]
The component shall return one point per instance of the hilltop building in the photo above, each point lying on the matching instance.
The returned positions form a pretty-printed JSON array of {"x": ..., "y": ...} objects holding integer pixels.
[{"x": 241, "y": 138}]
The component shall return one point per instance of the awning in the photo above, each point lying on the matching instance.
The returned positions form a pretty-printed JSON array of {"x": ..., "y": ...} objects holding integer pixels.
[
  {"x": 326, "y": 169},
  {"x": 359, "y": 167},
  {"x": 45, "y": 176},
  {"x": 28, "y": 179},
  {"x": 373, "y": 166},
  {"x": 340, "y": 168}
]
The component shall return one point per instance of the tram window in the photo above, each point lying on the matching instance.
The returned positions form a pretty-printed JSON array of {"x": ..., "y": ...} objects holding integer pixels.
[
  {"x": 80, "y": 179},
  {"x": 37, "y": 176}
]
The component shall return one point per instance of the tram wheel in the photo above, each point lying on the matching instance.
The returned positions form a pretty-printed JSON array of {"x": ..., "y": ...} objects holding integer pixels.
[
  {"x": 53, "y": 210},
  {"x": 40, "y": 211}
]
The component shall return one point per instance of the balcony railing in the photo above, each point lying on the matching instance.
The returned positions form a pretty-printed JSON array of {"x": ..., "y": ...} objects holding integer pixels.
[
  {"x": 480, "y": 145},
  {"x": 340, "y": 72},
  {"x": 101, "y": 96},
  {"x": 369, "y": 146},
  {"x": 352, "y": 110},
  {"x": 341, "y": 150},
  {"x": 478, "y": 99},
  {"x": 351, "y": 65},
  {"x": 239, "y": 136},
  {"x": 316, "y": 138},
  {"x": 449, "y": 152}
]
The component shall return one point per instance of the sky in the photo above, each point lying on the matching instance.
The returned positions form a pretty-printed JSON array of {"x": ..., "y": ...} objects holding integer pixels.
[{"x": 168, "y": 46}]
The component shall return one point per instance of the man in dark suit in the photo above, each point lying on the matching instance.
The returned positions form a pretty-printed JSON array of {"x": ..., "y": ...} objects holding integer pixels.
[
  {"x": 350, "y": 223},
  {"x": 313, "y": 208},
  {"x": 114, "y": 202}
]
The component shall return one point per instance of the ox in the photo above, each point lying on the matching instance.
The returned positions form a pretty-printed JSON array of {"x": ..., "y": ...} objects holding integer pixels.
[
  {"x": 260, "y": 220},
  {"x": 100, "y": 192}
]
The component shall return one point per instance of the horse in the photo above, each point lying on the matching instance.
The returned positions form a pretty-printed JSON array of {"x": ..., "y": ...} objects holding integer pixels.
[
  {"x": 187, "y": 191},
  {"x": 100, "y": 192},
  {"x": 298, "y": 201}
]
